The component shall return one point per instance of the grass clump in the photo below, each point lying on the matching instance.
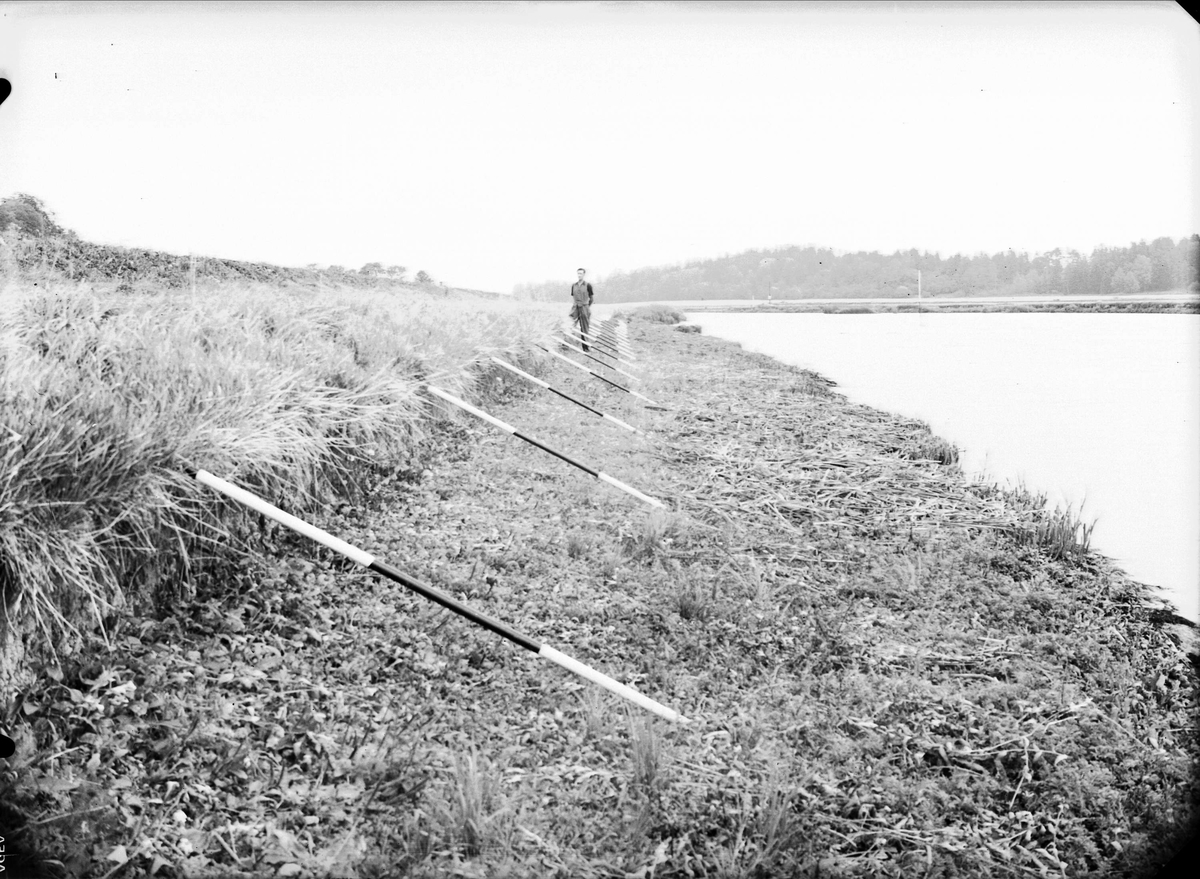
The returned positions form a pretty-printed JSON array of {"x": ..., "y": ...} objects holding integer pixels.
[
  {"x": 1060, "y": 533},
  {"x": 108, "y": 402},
  {"x": 660, "y": 314}
]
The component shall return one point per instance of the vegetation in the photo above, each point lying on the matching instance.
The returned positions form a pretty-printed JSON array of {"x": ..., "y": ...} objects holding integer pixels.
[
  {"x": 36, "y": 244},
  {"x": 814, "y": 272},
  {"x": 655, "y": 314},
  {"x": 890, "y": 670},
  {"x": 108, "y": 400}
]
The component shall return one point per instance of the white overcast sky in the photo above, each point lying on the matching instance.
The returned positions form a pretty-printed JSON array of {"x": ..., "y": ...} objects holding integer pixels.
[{"x": 495, "y": 143}]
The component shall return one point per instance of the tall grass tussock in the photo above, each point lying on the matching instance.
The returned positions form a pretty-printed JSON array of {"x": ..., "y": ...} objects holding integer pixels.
[
  {"x": 661, "y": 314},
  {"x": 109, "y": 401}
]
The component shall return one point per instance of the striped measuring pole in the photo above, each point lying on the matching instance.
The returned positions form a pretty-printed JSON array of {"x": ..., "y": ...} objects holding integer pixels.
[
  {"x": 597, "y": 375},
  {"x": 567, "y": 340},
  {"x": 508, "y": 428},
  {"x": 602, "y": 335},
  {"x": 620, "y": 350},
  {"x": 608, "y": 338},
  {"x": 385, "y": 570},
  {"x": 608, "y": 349},
  {"x": 598, "y": 360},
  {"x": 537, "y": 381}
]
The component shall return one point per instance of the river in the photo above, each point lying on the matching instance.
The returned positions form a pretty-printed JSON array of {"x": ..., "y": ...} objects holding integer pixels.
[{"x": 1100, "y": 412}]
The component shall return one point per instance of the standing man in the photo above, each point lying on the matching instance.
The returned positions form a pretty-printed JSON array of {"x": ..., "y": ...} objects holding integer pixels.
[{"x": 581, "y": 308}]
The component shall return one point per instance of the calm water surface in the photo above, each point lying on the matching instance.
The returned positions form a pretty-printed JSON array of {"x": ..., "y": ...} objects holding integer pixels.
[{"x": 1101, "y": 412}]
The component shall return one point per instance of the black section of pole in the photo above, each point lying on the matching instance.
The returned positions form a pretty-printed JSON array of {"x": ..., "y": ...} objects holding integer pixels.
[
  {"x": 458, "y": 607},
  {"x": 611, "y": 382},
  {"x": 600, "y": 341},
  {"x": 598, "y": 360},
  {"x": 545, "y": 448},
  {"x": 591, "y": 372},
  {"x": 576, "y": 402},
  {"x": 602, "y": 347}
]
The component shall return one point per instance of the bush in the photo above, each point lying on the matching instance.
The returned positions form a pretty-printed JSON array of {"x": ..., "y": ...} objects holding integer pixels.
[{"x": 660, "y": 314}]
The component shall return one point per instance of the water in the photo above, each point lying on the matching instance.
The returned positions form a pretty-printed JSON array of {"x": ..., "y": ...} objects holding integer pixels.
[{"x": 1101, "y": 412}]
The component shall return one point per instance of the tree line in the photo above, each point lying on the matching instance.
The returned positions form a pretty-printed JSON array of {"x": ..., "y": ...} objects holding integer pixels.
[{"x": 814, "y": 272}]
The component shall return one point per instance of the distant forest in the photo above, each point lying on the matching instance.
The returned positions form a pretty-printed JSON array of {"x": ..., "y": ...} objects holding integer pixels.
[{"x": 812, "y": 272}]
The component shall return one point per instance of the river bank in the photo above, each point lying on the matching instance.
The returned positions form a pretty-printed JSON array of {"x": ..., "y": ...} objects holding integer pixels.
[{"x": 889, "y": 669}]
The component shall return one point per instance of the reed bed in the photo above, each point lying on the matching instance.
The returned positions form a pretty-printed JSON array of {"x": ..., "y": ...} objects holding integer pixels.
[
  {"x": 900, "y": 487},
  {"x": 109, "y": 400}
]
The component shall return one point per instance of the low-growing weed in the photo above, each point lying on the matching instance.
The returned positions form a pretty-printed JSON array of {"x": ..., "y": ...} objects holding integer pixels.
[
  {"x": 693, "y": 601},
  {"x": 659, "y": 531},
  {"x": 646, "y": 752},
  {"x": 578, "y": 545},
  {"x": 473, "y": 809}
]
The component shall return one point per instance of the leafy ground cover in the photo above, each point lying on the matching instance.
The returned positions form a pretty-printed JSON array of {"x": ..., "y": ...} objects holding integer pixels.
[{"x": 890, "y": 670}]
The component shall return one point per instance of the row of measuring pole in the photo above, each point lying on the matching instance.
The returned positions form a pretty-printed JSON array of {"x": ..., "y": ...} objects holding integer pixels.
[{"x": 607, "y": 345}]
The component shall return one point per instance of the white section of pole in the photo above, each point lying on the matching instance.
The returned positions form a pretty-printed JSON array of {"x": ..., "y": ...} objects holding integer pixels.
[
  {"x": 521, "y": 372},
  {"x": 621, "y": 423},
  {"x": 604, "y": 477},
  {"x": 568, "y": 360},
  {"x": 508, "y": 428},
  {"x": 311, "y": 531},
  {"x": 584, "y": 671}
]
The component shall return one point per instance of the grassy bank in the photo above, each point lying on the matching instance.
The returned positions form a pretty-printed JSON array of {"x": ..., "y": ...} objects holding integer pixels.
[
  {"x": 891, "y": 670},
  {"x": 109, "y": 399}
]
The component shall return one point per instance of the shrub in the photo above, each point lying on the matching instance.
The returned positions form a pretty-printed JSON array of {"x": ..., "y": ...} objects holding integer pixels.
[{"x": 660, "y": 314}]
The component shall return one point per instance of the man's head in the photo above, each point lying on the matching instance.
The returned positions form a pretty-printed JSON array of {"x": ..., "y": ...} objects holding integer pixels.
[{"x": 581, "y": 273}]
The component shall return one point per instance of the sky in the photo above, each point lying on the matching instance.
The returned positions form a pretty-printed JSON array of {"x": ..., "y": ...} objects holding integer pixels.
[{"x": 491, "y": 144}]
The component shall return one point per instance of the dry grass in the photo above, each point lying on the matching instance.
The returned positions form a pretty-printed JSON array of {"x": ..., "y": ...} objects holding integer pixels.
[
  {"x": 108, "y": 401},
  {"x": 886, "y": 674}
]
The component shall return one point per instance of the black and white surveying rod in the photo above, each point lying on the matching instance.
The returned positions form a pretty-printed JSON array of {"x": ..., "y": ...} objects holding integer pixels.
[
  {"x": 537, "y": 381},
  {"x": 609, "y": 345},
  {"x": 368, "y": 561},
  {"x": 604, "y": 335},
  {"x": 569, "y": 338},
  {"x": 605, "y": 348},
  {"x": 598, "y": 360},
  {"x": 611, "y": 341},
  {"x": 597, "y": 375},
  {"x": 508, "y": 428}
]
